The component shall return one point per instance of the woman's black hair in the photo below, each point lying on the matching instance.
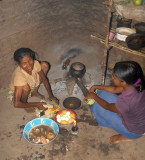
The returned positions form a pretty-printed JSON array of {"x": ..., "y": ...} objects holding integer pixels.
[
  {"x": 130, "y": 72},
  {"x": 21, "y": 52}
]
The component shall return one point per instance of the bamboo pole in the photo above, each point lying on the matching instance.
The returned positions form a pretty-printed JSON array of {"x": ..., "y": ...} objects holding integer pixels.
[{"x": 106, "y": 44}]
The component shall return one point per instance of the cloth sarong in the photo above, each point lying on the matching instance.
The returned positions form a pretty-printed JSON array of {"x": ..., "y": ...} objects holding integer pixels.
[{"x": 110, "y": 119}]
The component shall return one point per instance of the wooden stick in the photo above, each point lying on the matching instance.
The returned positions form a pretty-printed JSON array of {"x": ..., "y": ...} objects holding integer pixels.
[
  {"x": 106, "y": 44},
  {"x": 82, "y": 86}
]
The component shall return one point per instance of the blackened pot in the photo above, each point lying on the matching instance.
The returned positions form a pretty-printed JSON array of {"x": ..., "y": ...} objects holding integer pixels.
[
  {"x": 77, "y": 70},
  {"x": 123, "y": 22},
  {"x": 135, "y": 41},
  {"x": 72, "y": 103},
  {"x": 140, "y": 28}
]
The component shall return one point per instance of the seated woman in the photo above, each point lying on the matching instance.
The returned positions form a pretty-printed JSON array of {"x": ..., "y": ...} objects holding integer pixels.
[
  {"x": 26, "y": 80},
  {"x": 124, "y": 113}
]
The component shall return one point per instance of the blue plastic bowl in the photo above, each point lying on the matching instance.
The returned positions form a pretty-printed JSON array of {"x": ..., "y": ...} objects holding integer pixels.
[{"x": 37, "y": 122}]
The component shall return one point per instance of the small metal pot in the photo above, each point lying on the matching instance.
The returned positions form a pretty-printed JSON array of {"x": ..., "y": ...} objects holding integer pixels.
[{"x": 77, "y": 70}]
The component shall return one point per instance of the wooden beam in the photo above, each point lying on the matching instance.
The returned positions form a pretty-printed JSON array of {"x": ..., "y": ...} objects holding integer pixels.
[{"x": 104, "y": 68}]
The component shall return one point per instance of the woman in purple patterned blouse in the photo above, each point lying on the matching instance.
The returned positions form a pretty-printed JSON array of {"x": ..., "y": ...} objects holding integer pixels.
[{"x": 121, "y": 107}]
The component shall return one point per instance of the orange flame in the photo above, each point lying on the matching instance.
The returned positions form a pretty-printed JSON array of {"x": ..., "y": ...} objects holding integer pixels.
[{"x": 74, "y": 123}]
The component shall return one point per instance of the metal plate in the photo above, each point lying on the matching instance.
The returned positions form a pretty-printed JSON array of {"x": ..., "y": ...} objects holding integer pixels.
[
  {"x": 123, "y": 33},
  {"x": 67, "y": 122},
  {"x": 72, "y": 103}
]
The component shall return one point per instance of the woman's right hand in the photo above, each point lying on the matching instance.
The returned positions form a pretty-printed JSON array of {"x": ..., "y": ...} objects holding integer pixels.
[
  {"x": 40, "y": 106},
  {"x": 54, "y": 99}
]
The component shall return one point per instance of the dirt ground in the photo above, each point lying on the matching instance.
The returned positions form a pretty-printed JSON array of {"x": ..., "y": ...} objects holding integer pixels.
[{"x": 91, "y": 142}]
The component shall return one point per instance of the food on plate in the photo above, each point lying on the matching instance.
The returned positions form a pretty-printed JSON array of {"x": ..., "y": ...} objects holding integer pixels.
[
  {"x": 71, "y": 105},
  {"x": 78, "y": 67},
  {"x": 48, "y": 105},
  {"x": 65, "y": 117},
  {"x": 41, "y": 134},
  {"x": 50, "y": 135},
  {"x": 51, "y": 109}
]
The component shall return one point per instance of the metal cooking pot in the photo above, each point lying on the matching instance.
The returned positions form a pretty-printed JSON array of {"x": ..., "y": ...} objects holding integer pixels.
[
  {"x": 72, "y": 103},
  {"x": 135, "y": 41},
  {"x": 140, "y": 27},
  {"x": 123, "y": 22},
  {"x": 77, "y": 70}
]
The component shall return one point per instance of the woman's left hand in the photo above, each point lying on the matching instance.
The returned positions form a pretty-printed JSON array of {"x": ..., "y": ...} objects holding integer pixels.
[
  {"x": 54, "y": 99},
  {"x": 93, "y": 88}
]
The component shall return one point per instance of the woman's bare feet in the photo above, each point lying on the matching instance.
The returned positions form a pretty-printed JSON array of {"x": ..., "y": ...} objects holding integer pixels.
[{"x": 118, "y": 138}]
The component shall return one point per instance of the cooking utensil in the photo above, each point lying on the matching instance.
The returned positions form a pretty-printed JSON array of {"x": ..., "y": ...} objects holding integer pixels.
[
  {"x": 42, "y": 113},
  {"x": 140, "y": 27},
  {"x": 72, "y": 103},
  {"x": 135, "y": 41},
  {"x": 123, "y": 33},
  {"x": 77, "y": 70},
  {"x": 123, "y": 22},
  {"x": 38, "y": 122}
]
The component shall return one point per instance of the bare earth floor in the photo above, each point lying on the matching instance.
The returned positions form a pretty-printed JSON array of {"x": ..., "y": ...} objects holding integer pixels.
[{"x": 91, "y": 143}]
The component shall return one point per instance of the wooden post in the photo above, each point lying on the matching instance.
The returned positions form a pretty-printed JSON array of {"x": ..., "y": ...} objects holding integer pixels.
[{"x": 105, "y": 57}]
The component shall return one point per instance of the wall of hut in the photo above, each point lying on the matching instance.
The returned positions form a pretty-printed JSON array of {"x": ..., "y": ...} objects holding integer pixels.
[
  {"x": 22, "y": 24},
  {"x": 49, "y": 27},
  {"x": 55, "y": 29}
]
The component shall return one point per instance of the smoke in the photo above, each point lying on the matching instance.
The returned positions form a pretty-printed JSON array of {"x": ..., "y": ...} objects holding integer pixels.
[{"x": 70, "y": 54}]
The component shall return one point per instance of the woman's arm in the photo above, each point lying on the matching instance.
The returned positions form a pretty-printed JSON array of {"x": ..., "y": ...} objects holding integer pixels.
[
  {"x": 46, "y": 83},
  {"x": 20, "y": 101},
  {"x": 112, "y": 89},
  {"x": 103, "y": 103}
]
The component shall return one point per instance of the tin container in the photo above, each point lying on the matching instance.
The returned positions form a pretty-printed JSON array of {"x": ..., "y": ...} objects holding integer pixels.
[
  {"x": 123, "y": 33},
  {"x": 90, "y": 101}
]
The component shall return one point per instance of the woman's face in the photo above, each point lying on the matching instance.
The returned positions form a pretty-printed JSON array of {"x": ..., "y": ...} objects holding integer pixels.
[
  {"x": 27, "y": 64},
  {"x": 116, "y": 80}
]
